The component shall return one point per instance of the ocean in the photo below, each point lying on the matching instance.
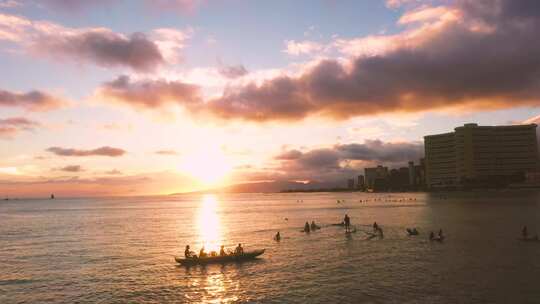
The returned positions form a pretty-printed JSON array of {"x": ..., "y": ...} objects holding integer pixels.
[{"x": 121, "y": 250}]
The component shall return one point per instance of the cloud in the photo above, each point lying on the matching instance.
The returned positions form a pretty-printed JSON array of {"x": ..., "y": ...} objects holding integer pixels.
[
  {"x": 167, "y": 152},
  {"x": 533, "y": 120},
  {"x": 302, "y": 47},
  {"x": 478, "y": 55},
  {"x": 105, "y": 48},
  {"x": 233, "y": 71},
  {"x": 71, "y": 169},
  {"x": 394, "y": 4},
  {"x": 469, "y": 56},
  {"x": 184, "y": 6},
  {"x": 103, "y": 151},
  {"x": 113, "y": 172},
  {"x": 101, "y": 46},
  {"x": 31, "y": 101},
  {"x": 9, "y": 3},
  {"x": 335, "y": 164},
  {"x": 75, "y": 5},
  {"x": 149, "y": 93},
  {"x": 9, "y": 127}
]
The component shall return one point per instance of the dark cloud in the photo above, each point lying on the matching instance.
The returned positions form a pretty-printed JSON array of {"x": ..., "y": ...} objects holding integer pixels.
[
  {"x": 104, "y": 48},
  {"x": 289, "y": 155},
  {"x": 150, "y": 93},
  {"x": 9, "y": 127},
  {"x": 379, "y": 151},
  {"x": 487, "y": 59},
  {"x": 103, "y": 151},
  {"x": 342, "y": 161},
  {"x": 71, "y": 169},
  {"x": 233, "y": 71},
  {"x": 32, "y": 101}
]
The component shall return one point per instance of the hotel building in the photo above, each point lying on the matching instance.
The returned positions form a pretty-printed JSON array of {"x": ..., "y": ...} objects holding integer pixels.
[{"x": 475, "y": 155}]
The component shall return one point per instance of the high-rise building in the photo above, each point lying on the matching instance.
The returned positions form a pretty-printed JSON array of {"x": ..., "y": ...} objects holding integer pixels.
[
  {"x": 412, "y": 174},
  {"x": 475, "y": 155},
  {"x": 360, "y": 183},
  {"x": 376, "y": 175},
  {"x": 350, "y": 183}
]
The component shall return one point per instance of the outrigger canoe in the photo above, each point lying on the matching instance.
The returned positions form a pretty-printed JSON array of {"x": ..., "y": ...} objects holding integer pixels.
[{"x": 248, "y": 255}]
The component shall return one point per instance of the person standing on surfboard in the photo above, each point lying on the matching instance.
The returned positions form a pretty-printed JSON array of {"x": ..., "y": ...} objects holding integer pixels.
[{"x": 347, "y": 221}]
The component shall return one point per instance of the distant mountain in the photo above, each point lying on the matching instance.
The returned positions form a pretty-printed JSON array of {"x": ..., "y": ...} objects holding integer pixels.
[{"x": 267, "y": 187}]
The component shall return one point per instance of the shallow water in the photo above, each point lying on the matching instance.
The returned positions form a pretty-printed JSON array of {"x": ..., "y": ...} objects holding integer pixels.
[{"x": 118, "y": 250}]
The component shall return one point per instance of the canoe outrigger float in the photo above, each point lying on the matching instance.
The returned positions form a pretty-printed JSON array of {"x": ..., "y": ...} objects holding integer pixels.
[{"x": 248, "y": 255}]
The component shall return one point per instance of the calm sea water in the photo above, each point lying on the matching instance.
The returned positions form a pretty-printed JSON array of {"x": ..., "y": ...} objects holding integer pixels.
[{"x": 120, "y": 250}]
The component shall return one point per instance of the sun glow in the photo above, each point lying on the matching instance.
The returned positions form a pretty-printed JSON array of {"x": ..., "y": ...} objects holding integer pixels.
[{"x": 209, "y": 166}]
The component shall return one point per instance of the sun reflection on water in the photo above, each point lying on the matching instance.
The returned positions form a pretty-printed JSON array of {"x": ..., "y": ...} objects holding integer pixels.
[
  {"x": 214, "y": 286},
  {"x": 209, "y": 224}
]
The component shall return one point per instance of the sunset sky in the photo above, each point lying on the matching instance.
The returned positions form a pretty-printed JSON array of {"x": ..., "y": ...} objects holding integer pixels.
[{"x": 131, "y": 97}]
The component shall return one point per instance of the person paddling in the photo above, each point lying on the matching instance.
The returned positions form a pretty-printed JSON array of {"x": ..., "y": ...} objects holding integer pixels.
[
  {"x": 222, "y": 251},
  {"x": 431, "y": 236},
  {"x": 440, "y": 234},
  {"x": 202, "y": 253},
  {"x": 524, "y": 232},
  {"x": 239, "y": 249},
  {"x": 375, "y": 226},
  {"x": 277, "y": 237},
  {"x": 188, "y": 253},
  {"x": 347, "y": 221}
]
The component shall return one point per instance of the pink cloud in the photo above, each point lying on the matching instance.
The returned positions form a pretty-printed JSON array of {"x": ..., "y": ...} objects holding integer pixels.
[
  {"x": 150, "y": 93},
  {"x": 10, "y": 127},
  {"x": 32, "y": 101},
  {"x": 103, "y": 151},
  {"x": 101, "y": 46}
]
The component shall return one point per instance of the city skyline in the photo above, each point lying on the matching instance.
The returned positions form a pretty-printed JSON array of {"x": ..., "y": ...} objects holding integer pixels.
[{"x": 157, "y": 97}]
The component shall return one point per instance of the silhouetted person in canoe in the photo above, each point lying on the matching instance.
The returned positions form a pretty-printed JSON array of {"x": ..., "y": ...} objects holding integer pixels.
[
  {"x": 431, "y": 236},
  {"x": 239, "y": 249},
  {"x": 277, "y": 237},
  {"x": 222, "y": 251},
  {"x": 375, "y": 226},
  {"x": 347, "y": 221},
  {"x": 188, "y": 253},
  {"x": 306, "y": 227},
  {"x": 314, "y": 226},
  {"x": 524, "y": 232},
  {"x": 440, "y": 234},
  {"x": 202, "y": 254}
]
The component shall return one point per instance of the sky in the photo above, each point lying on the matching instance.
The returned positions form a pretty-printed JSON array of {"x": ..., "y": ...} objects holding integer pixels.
[{"x": 118, "y": 97}]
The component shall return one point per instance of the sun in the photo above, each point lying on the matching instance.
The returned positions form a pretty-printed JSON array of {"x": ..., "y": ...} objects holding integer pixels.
[{"x": 208, "y": 166}]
